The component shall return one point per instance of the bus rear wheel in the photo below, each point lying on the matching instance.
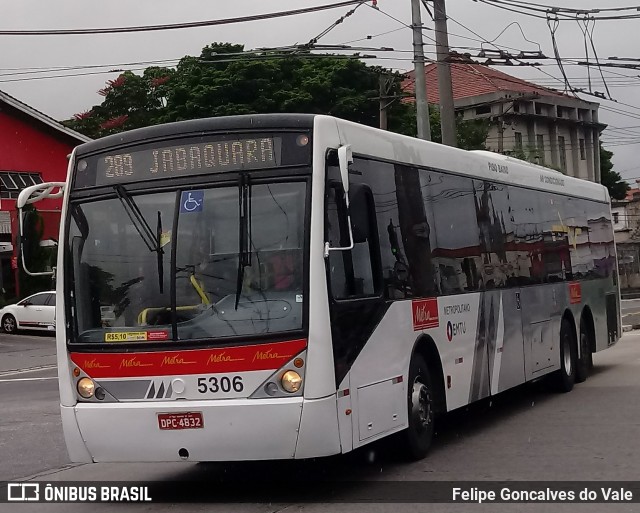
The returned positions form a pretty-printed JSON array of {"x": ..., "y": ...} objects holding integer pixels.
[
  {"x": 585, "y": 362},
  {"x": 421, "y": 410},
  {"x": 566, "y": 377}
]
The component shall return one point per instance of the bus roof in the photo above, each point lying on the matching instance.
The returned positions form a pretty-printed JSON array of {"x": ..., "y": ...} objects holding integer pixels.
[
  {"x": 375, "y": 143},
  {"x": 198, "y": 126},
  {"x": 476, "y": 164}
]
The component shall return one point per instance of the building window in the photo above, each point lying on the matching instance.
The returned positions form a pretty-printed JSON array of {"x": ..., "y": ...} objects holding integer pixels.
[
  {"x": 11, "y": 183},
  {"x": 628, "y": 261},
  {"x": 484, "y": 109},
  {"x": 540, "y": 144},
  {"x": 582, "y": 152},
  {"x": 563, "y": 153},
  {"x": 616, "y": 217},
  {"x": 518, "y": 140},
  {"x": 560, "y": 111},
  {"x": 516, "y": 107}
]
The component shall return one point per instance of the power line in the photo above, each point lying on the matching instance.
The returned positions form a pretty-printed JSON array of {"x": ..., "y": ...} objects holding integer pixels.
[
  {"x": 562, "y": 13},
  {"x": 174, "y": 26},
  {"x": 368, "y": 38},
  {"x": 314, "y": 40}
]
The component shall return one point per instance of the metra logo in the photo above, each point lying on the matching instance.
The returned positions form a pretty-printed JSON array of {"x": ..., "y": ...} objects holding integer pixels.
[
  {"x": 93, "y": 364},
  {"x": 175, "y": 360},
  {"x": 221, "y": 358},
  {"x": 267, "y": 355},
  {"x": 455, "y": 329},
  {"x": 133, "y": 362},
  {"x": 425, "y": 314},
  {"x": 575, "y": 293}
]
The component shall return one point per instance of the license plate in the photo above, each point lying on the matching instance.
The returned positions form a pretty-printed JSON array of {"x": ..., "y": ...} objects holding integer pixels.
[{"x": 185, "y": 420}]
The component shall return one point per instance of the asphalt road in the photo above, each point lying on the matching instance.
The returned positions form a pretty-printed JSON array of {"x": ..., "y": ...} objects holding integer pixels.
[
  {"x": 628, "y": 306},
  {"x": 531, "y": 433}
]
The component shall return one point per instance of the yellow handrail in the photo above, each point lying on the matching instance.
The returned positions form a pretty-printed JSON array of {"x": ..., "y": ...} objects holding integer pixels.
[
  {"x": 199, "y": 290},
  {"x": 142, "y": 316}
]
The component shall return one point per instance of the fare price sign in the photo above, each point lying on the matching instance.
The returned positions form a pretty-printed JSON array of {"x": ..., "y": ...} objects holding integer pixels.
[{"x": 204, "y": 154}]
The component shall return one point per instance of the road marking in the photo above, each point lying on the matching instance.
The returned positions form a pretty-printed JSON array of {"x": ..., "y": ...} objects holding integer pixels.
[
  {"x": 25, "y": 379},
  {"x": 30, "y": 369}
]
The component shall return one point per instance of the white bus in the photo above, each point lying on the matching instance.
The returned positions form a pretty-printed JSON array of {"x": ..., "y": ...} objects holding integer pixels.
[{"x": 295, "y": 286}]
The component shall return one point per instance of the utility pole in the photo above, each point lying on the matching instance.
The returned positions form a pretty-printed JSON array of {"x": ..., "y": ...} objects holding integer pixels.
[
  {"x": 422, "y": 107},
  {"x": 445, "y": 88},
  {"x": 386, "y": 98},
  {"x": 383, "y": 102}
]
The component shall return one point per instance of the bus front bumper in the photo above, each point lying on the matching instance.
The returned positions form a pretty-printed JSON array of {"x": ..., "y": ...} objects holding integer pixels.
[{"x": 234, "y": 430}]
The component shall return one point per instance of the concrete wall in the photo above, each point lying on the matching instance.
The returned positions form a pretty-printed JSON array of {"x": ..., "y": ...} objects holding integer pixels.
[{"x": 541, "y": 128}]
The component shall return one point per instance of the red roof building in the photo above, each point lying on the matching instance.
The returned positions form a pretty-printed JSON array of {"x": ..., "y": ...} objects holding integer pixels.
[
  {"x": 33, "y": 149},
  {"x": 525, "y": 120}
]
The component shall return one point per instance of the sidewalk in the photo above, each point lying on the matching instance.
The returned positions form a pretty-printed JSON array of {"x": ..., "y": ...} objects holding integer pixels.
[{"x": 631, "y": 321}]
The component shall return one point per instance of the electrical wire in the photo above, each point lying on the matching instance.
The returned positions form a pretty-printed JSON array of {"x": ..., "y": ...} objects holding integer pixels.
[
  {"x": 173, "y": 26},
  {"x": 314, "y": 40},
  {"x": 564, "y": 13}
]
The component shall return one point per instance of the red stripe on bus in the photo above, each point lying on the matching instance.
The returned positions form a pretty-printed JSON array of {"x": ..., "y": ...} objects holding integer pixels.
[{"x": 269, "y": 356}]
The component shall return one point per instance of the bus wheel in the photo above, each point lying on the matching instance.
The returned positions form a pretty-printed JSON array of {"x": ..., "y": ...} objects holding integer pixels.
[
  {"x": 566, "y": 376},
  {"x": 9, "y": 324},
  {"x": 585, "y": 362},
  {"x": 421, "y": 405}
]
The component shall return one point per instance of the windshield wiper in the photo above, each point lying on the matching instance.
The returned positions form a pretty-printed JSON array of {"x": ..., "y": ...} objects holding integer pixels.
[
  {"x": 160, "y": 253},
  {"x": 151, "y": 240},
  {"x": 244, "y": 236}
]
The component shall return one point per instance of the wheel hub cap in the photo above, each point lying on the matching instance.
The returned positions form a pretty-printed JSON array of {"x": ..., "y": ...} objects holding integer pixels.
[
  {"x": 421, "y": 405},
  {"x": 567, "y": 356}
]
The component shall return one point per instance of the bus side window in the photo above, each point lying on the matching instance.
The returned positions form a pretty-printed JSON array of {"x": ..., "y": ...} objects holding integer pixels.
[{"x": 353, "y": 273}]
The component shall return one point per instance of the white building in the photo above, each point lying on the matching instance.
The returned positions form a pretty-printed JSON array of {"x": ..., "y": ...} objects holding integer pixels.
[{"x": 525, "y": 120}]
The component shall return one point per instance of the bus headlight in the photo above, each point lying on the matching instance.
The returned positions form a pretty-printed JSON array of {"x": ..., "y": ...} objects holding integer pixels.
[
  {"x": 86, "y": 387},
  {"x": 291, "y": 381}
]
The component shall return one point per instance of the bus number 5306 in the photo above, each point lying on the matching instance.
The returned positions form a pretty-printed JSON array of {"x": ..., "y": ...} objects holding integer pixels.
[{"x": 224, "y": 384}]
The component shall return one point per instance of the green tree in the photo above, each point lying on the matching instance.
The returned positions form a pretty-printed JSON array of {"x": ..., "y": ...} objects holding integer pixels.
[
  {"x": 130, "y": 101},
  {"x": 222, "y": 81},
  {"x": 609, "y": 178},
  {"x": 471, "y": 134}
]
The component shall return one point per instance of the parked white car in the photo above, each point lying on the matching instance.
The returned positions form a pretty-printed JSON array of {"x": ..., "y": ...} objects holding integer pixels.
[{"x": 36, "y": 312}]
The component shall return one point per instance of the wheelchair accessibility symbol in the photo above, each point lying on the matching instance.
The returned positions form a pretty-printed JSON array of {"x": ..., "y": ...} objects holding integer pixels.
[{"x": 191, "y": 201}]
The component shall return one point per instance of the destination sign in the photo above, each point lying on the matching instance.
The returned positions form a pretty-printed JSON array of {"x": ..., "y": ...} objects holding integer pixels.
[{"x": 212, "y": 154}]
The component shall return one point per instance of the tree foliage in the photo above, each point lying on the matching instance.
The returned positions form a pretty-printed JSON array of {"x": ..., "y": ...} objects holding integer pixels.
[
  {"x": 221, "y": 82},
  {"x": 611, "y": 179}
]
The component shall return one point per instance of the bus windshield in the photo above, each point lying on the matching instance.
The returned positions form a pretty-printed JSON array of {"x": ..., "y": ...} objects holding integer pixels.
[{"x": 233, "y": 267}]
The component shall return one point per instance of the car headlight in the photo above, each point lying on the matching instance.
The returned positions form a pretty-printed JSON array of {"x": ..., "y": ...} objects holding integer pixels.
[
  {"x": 86, "y": 387},
  {"x": 291, "y": 381}
]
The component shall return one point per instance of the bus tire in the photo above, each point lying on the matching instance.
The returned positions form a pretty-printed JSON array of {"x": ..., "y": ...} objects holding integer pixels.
[
  {"x": 566, "y": 376},
  {"x": 9, "y": 324},
  {"x": 585, "y": 362},
  {"x": 421, "y": 409}
]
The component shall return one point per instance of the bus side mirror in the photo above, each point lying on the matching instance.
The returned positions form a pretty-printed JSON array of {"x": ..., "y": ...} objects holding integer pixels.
[
  {"x": 28, "y": 196},
  {"x": 345, "y": 157}
]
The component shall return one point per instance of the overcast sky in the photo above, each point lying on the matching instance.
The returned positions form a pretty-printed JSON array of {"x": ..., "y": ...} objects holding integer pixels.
[{"x": 63, "y": 97}]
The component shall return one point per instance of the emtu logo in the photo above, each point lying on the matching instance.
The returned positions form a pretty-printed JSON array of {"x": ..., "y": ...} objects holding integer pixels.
[
  {"x": 425, "y": 314},
  {"x": 455, "y": 329},
  {"x": 575, "y": 293}
]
